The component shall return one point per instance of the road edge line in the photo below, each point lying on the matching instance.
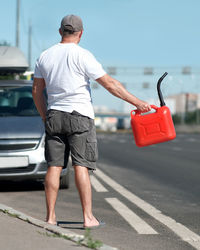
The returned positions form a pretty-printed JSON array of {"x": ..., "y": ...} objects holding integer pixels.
[{"x": 179, "y": 229}]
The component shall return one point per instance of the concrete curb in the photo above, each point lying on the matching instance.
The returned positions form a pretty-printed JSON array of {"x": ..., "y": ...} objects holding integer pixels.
[{"x": 79, "y": 239}]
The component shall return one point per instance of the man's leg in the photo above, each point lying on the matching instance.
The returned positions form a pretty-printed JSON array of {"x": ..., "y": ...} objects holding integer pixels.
[
  {"x": 52, "y": 183},
  {"x": 83, "y": 184}
]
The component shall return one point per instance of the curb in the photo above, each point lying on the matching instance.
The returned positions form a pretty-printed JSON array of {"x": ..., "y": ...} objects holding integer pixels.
[{"x": 79, "y": 239}]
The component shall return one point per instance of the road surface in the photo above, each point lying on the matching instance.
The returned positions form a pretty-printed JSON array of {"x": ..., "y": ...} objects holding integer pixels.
[{"x": 148, "y": 197}]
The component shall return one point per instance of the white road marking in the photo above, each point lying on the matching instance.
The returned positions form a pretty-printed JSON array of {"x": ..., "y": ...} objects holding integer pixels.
[
  {"x": 135, "y": 221},
  {"x": 191, "y": 139},
  {"x": 182, "y": 231},
  {"x": 176, "y": 148},
  {"x": 97, "y": 185},
  {"x": 122, "y": 141}
]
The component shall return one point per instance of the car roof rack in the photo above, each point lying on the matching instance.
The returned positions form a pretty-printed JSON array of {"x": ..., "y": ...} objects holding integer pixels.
[{"x": 12, "y": 60}]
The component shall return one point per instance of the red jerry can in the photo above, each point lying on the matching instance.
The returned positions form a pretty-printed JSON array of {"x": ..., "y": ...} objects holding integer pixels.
[{"x": 152, "y": 128}]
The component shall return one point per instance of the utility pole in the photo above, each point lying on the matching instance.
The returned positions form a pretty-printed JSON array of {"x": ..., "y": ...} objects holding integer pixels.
[
  {"x": 29, "y": 44},
  {"x": 17, "y": 22}
]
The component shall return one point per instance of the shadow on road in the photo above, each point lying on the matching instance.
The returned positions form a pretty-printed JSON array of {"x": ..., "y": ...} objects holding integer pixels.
[
  {"x": 71, "y": 224},
  {"x": 28, "y": 185}
]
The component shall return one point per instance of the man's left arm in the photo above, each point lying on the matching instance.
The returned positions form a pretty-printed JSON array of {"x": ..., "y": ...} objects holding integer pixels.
[
  {"x": 38, "y": 96},
  {"x": 118, "y": 90}
]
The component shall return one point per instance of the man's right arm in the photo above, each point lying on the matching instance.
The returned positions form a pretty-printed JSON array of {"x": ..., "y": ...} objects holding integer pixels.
[
  {"x": 117, "y": 89},
  {"x": 38, "y": 96}
]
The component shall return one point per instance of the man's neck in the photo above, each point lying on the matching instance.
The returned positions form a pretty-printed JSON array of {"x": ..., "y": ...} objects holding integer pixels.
[{"x": 69, "y": 40}]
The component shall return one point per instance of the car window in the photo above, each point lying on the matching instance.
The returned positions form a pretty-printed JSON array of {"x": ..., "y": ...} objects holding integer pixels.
[{"x": 17, "y": 101}]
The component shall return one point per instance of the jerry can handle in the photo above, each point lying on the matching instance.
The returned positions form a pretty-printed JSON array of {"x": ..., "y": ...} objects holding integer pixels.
[
  {"x": 138, "y": 112},
  {"x": 162, "y": 103}
]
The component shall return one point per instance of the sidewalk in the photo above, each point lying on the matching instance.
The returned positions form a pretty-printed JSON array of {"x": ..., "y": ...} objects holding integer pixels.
[{"x": 22, "y": 232}]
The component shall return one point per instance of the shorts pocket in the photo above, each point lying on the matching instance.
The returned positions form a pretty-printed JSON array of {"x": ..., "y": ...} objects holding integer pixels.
[
  {"x": 79, "y": 124},
  {"x": 53, "y": 122},
  {"x": 91, "y": 151}
]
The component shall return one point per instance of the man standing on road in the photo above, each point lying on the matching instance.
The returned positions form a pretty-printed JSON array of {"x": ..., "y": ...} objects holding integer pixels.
[{"x": 65, "y": 70}]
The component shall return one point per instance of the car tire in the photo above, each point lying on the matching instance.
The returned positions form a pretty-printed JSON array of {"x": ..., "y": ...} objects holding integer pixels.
[{"x": 64, "y": 181}]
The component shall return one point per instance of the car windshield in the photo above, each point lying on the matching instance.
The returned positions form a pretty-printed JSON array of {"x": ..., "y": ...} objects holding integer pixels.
[{"x": 17, "y": 101}]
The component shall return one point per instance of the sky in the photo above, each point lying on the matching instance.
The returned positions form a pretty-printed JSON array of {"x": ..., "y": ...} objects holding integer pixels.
[{"x": 122, "y": 33}]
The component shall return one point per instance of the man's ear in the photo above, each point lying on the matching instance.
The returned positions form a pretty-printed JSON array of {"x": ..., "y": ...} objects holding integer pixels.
[
  {"x": 80, "y": 34},
  {"x": 60, "y": 31}
]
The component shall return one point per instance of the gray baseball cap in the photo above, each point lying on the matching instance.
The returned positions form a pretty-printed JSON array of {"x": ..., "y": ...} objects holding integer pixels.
[{"x": 71, "y": 23}]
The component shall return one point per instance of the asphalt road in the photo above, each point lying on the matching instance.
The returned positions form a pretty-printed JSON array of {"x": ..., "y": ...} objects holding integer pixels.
[{"x": 148, "y": 197}]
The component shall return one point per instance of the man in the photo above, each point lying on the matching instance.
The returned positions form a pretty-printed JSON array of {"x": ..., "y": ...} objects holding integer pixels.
[{"x": 65, "y": 70}]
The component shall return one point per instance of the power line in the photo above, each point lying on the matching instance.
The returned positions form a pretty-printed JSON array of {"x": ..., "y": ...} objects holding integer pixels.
[{"x": 150, "y": 71}]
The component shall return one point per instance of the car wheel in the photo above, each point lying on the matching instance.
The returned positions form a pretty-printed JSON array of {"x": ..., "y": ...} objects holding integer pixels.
[{"x": 64, "y": 181}]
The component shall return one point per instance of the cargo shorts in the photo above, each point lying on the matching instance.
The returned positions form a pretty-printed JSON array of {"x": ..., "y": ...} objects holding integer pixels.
[{"x": 70, "y": 133}]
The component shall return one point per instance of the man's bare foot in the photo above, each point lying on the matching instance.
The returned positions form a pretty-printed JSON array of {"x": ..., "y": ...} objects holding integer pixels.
[
  {"x": 91, "y": 222},
  {"x": 52, "y": 222}
]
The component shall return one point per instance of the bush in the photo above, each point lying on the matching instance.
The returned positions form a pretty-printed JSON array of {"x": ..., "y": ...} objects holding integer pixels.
[{"x": 192, "y": 117}]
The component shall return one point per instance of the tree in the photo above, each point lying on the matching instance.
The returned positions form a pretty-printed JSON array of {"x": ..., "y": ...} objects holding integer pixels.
[{"x": 4, "y": 43}]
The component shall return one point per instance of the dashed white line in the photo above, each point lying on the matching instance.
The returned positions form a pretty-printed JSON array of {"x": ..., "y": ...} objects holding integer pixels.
[
  {"x": 122, "y": 141},
  {"x": 182, "y": 231},
  {"x": 97, "y": 185},
  {"x": 135, "y": 221},
  {"x": 176, "y": 148},
  {"x": 191, "y": 140}
]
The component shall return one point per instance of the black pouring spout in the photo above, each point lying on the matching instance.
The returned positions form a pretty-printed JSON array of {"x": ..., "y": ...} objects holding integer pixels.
[{"x": 162, "y": 103}]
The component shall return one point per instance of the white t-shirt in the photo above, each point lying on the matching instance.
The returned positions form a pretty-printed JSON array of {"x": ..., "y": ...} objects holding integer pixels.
[{"x": 66, "y": 69}]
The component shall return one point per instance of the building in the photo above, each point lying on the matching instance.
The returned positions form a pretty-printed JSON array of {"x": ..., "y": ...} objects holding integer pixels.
[{"x": 185, "y": 102}]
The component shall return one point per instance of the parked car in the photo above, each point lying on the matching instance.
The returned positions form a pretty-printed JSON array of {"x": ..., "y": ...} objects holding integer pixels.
[{"x": 22, "y": 135}]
